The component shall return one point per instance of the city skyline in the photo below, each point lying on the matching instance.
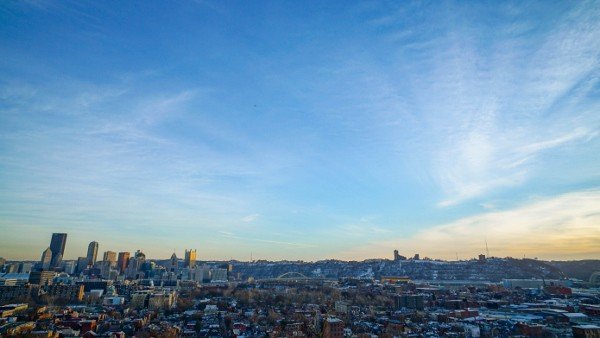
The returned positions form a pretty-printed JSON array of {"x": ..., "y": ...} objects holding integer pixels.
[
  {"x": 300, "y": 131},
  {"x": 190, "y": 255}
]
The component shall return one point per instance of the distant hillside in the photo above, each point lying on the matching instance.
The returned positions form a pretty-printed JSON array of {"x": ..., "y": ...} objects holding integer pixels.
[
  {"x": 493, "y": 270},
  {"x": 578, "y": 269}
]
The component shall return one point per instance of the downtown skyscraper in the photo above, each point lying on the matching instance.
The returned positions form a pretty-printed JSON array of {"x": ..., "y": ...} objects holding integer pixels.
[
  {"x": 110, "y": 258},
  {"x": 57, "y": 246},
  {"x": 190, "y": 258},
  {"x": 92, "y": 252},
  {"x": 122, "y": 261},
  {"x": 46, "y": 259}
]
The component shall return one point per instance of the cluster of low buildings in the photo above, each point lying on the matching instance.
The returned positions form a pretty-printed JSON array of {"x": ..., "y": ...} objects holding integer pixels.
[{"x": 294, "y": 306}]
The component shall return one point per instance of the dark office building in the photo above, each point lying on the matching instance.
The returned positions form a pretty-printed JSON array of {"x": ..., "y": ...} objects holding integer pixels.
[
  {"x": 57, "y": 245},
  {"x": 92, "y": 252}
]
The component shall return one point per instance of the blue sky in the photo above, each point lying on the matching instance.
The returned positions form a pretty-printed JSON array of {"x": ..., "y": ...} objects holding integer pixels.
[{"x": 301, "y": 130}]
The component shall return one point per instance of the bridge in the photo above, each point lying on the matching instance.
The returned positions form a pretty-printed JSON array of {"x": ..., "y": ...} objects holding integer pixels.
[{"x": 295, "y": 277}]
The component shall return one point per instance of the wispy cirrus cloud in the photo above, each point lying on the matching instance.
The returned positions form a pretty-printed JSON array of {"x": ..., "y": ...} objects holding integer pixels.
[
  {"x": 250, "y": 218},
  {"x": 470, "y": 106},
  {"x": 480, "y": 167},
  {"x": 484, "y": 105}
]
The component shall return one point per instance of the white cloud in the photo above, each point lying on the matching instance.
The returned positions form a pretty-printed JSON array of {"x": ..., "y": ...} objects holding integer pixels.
[
  {"x": 250, "y": 218},
  {"x": 504, "y": 166},
  {"x": 579, "y": 133}
]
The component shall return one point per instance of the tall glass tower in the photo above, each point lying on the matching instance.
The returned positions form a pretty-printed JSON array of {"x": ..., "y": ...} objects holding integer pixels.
[{"x": 57, "y": 245}]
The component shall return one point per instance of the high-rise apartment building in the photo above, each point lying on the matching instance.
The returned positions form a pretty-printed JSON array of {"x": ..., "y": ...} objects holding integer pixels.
[
  {"x": 57, "y": 246},
  {"x": 92, "y": 252},
  {"x": 46, "y": 259},
  {"x": 190, "y": 258},
  {"x": 122, "y": 261}
]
